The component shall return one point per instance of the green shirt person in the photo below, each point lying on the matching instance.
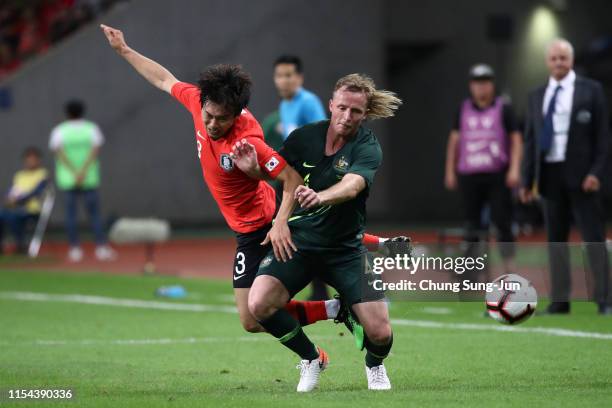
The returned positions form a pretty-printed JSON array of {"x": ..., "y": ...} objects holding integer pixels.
[
  {"x": 272, "y": 129},
  {"x": 76, "y": 143}
]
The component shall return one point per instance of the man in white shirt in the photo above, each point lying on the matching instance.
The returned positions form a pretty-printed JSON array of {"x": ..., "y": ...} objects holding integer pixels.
[{"x": 566, "y": 147}]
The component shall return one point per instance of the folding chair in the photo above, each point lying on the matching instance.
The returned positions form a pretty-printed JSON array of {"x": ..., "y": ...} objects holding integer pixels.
[{"x": 41, "y": 224}]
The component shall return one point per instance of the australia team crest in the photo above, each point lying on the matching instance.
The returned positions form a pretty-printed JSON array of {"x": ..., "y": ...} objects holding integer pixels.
[{"x": 342, "y": 164}]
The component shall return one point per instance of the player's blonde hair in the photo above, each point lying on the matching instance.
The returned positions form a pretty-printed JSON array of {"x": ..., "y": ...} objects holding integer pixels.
[{"x": 381, "y": 103}]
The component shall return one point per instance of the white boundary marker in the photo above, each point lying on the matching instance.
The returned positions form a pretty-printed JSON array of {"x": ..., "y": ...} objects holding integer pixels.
[{"x": 188, "y": 307}]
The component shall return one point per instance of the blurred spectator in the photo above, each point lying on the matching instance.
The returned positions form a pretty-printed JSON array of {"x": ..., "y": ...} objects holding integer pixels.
[
  {"x": 23, "y": 201},
  {"x": 76, "y": 143},
  {"x": 7, "y": 63},
  {"x": 298, "y": 106},
  {"x": 31, "y": 41},
  {"x": 69, "y": 20},
  {"x": 28, "y": 28},
  {"x": 483, "y": 160}
]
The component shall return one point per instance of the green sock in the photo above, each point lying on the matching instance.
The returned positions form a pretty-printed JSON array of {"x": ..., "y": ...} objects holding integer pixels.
[
  {"x": 289, "y": 332},
  {"x": 376, "y": 353}
]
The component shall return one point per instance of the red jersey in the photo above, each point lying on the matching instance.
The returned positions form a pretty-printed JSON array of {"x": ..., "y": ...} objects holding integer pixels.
[{"x": 246, "y": 204}]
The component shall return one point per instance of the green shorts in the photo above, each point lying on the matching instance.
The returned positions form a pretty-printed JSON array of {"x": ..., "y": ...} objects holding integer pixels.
[{"x": 347, "y": 272}]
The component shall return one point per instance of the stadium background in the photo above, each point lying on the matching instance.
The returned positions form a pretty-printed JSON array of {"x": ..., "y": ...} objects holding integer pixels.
[{"x": 422, "y": 50}]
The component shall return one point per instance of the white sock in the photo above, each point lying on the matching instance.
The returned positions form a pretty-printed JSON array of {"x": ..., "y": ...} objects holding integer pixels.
[
  {"x": 332, "y": 307},
  {"x": 382, "y": 249}
]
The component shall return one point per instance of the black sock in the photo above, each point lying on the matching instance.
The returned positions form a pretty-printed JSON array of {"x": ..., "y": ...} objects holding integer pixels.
[
  {"x": 288, "y": 331},
  {"x": 376, "y": 353}
]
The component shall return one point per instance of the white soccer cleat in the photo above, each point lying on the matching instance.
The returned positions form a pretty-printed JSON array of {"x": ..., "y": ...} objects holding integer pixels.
[
  {"x": 105, "y": 253},
  {"x": 310, "y": 371},
  {"x": 377, "y": 378},
  {"x": 75, "y": 254}
]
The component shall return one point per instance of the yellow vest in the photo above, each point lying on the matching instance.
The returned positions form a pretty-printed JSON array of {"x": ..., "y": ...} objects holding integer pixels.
[{"x": 24, "y": 182}]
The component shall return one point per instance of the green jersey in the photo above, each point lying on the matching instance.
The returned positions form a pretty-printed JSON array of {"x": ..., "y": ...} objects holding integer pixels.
[
  {"x": 272, "y": 130},
  {"x": 77, "y": 138},
  {"x": 335, "y": 227}
]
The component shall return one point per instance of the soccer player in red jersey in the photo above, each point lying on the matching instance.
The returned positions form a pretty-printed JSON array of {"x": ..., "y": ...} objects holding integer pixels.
[{"x": 222, "y": 123}]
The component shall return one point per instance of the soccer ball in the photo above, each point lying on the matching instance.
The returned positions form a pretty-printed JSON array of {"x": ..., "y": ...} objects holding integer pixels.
[{"x": 512, "y": 300}]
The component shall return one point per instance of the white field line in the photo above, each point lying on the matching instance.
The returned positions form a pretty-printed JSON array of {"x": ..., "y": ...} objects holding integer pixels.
[
  {"x": 552, "y": 331},
  {"x": 108, "y": 301},
  {"x": 148, "y": 342},
  {"x": 150, "y": 304},
  {"x": 437, "y": 310}
]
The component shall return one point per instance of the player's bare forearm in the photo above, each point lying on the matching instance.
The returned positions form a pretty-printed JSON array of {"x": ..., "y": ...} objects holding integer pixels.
[
  {"x": 451, "y": 151},
  {"x": 291, "y": 180},
  {"x": 516, "y": 151},
  {"x": 153, "y": 72},
  {"x": 280, "y": 234},
  {"x": 346, "y": 189}
]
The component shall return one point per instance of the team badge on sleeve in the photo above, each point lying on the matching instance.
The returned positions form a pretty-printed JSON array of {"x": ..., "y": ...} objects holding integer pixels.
[
  {"x": 272, "y": 163},
  {"x": 226, "y": 162}
]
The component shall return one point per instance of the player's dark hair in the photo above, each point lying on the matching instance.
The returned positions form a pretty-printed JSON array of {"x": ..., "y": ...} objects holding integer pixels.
[
  {"x": 290, "y": 59},
  {"x": 227, "y": 85},
  {"x": 74, "y": 109},
  {"x": 32, "y": 151}
]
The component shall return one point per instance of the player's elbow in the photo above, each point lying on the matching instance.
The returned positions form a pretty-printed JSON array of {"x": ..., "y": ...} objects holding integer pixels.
[
  {"x": 355, "y": 185},
  {"x": 290, "y": 177},
  {"x": 166, "y": 83},
  {"x": 352, "y": 193}
]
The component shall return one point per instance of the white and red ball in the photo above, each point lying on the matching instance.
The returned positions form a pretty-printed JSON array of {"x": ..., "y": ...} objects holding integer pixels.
[{"x": 512, "y": 300}]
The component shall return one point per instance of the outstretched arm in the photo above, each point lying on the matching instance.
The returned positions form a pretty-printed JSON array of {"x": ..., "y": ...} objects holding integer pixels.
[{"x": 157, "y": 75}]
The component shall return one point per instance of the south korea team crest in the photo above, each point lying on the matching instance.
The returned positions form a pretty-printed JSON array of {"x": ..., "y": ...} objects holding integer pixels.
[{"x": 226, "y": 162}]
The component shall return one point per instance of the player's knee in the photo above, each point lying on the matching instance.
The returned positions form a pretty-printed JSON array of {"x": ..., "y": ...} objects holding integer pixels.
[
  {"x": 380, "y": 334},
  {"x": 252, "y": 327},
  {"x": 259, "y": 307}
]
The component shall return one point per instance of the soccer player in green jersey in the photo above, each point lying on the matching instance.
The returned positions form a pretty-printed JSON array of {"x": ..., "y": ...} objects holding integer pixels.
[{"x": 338, "y": 159}]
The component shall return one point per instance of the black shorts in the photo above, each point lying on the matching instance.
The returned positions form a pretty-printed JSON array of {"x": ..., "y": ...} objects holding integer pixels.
[
  {"x": 249, "y": 254},
  {"x": 349, "y": 272}
]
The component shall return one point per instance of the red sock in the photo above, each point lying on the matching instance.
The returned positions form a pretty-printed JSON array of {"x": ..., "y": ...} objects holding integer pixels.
[
  {"x": 307, "y": 312},
  {"x": 371, "y": 242}
]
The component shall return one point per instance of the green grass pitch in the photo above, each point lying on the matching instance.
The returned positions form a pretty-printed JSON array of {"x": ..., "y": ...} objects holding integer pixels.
[{"x": 119, "y": 356}]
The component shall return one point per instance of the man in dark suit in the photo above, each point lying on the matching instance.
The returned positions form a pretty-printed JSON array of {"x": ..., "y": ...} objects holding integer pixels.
[{"x": 566, "y": 147}]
